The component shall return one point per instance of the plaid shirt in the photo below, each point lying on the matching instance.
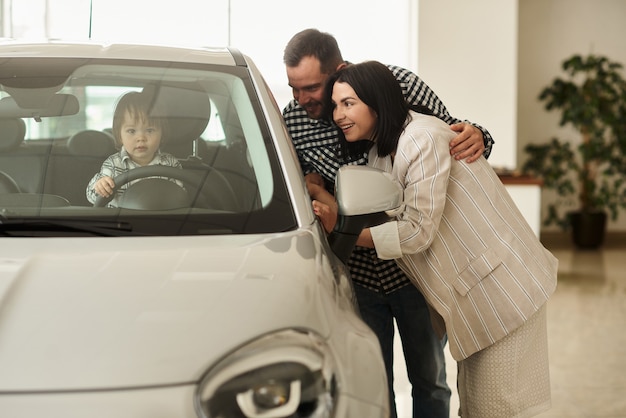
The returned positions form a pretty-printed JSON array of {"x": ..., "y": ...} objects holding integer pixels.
[{"x": 317, "y": 146}]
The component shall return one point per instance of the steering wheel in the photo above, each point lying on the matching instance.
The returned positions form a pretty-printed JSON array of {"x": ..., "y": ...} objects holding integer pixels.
[{"x": 222, "y": 193}]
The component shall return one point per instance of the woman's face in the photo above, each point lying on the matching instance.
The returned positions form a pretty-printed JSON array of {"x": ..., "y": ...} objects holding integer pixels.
[
  {"x": 356, "y": 119},
  {"x": 140, "y": 139}
]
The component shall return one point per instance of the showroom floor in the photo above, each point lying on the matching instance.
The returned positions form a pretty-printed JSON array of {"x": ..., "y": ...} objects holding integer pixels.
[{"x": 587, "y": 337}]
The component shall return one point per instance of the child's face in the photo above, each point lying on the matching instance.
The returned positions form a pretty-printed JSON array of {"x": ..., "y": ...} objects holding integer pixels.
[{"x": 140, "y": 139}]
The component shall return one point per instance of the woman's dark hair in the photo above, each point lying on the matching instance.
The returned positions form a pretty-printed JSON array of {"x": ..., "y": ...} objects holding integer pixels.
[{"x": 377, "y": 87}]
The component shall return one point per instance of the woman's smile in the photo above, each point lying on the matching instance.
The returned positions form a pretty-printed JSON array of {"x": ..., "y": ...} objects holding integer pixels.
[{"x": 356, "y": 119}]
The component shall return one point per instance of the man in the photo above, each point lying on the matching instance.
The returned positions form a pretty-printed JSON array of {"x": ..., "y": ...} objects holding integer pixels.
[{"x": 383, "y": 292}]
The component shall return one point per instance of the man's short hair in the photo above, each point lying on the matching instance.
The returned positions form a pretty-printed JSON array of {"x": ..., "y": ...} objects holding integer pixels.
[{"x": 312, "y": 42}]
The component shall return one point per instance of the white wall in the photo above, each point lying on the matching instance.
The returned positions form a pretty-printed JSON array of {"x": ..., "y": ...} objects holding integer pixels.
[
  {"x": 365, "y": 29},
  {"x": 549, "y": 32},
  {"x": 468, "y": 54}
]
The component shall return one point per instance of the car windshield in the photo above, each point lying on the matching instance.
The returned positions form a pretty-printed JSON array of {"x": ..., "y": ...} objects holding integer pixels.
[{"x": 215, "y": 170}]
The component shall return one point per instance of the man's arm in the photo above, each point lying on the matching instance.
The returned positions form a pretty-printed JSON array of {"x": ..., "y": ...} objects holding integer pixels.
[{"x": 471, "y": 141}]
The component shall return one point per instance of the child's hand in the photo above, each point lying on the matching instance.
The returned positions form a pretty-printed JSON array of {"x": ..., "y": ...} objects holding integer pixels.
[{"x": 104, "y": 187}]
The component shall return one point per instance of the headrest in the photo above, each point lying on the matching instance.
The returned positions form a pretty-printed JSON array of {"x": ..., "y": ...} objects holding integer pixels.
[
  {"x": 187, "y": 112},
  {"x": 91, "y": 143},
  {"x": 12, "y": 132}
]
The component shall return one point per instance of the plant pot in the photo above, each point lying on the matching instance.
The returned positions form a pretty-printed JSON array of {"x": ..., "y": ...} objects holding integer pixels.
[{"x": 588, "y": 228}]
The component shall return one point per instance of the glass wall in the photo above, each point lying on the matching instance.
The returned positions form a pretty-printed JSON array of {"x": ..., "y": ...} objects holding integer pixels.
[{"x": 365, "y": 29}]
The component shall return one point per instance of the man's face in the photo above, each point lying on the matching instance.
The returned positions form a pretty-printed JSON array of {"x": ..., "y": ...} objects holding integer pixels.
[{"x": 307, "y": 84}]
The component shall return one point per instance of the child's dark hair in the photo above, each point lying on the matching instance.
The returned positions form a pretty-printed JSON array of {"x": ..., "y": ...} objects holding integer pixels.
[
  {"x": 377, "y": 87},
  {"x": 139, "y": 106}
]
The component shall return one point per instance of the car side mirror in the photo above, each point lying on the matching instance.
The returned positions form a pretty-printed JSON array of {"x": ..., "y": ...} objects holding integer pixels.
[{"x": 366, "y": 197}]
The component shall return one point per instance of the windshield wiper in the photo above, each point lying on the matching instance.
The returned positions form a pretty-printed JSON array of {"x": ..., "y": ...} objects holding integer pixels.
[{"x": 9, "y": 227}]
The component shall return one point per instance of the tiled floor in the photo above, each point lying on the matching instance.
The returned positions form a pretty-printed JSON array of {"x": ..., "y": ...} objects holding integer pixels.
[{"x": 587, "y": 336}]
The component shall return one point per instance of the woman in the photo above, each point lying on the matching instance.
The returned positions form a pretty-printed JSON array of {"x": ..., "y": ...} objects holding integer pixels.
[{"x": 460, "y": 239}]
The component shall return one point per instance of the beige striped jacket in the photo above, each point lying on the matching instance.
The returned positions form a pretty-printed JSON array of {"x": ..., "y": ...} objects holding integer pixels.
[{"x": 462, "y": 240}]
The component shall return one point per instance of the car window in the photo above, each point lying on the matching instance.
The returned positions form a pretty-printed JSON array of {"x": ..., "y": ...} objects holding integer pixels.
[
  {"x": 214, "y": 128},
  {"x": 98, "y": 113}
]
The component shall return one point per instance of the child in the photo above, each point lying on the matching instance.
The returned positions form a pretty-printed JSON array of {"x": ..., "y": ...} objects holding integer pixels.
[{"x": 139, "y": 137}]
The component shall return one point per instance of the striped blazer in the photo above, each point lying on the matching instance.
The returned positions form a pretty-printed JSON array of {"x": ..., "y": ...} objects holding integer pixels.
[{"x": 462, "y": 240}]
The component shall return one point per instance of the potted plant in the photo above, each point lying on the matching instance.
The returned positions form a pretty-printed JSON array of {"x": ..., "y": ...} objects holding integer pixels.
[{"x": 590, "y": 175}]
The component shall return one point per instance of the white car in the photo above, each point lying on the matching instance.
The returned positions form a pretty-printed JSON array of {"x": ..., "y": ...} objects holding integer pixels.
[{"x": 213, "y": 295}]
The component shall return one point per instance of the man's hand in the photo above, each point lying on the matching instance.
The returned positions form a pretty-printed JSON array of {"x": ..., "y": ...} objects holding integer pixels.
[{"x": 469, "y": 143}]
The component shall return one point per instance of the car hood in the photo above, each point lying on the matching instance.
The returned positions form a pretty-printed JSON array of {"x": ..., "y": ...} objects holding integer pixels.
[{"x": 98, "y": 313}]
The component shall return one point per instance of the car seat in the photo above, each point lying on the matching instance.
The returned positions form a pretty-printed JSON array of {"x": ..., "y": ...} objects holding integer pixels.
[
  {"x": 187, "y": 110},
  {"x": 86, "y": 150},
  {"x": 12, "y": 132}
]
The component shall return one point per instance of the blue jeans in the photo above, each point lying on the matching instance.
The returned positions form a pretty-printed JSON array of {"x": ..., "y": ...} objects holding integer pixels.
[{"x": 423, "y": 350}]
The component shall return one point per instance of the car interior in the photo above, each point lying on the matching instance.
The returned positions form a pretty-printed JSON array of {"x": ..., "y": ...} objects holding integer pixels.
[{"x": 50, "y": 146}]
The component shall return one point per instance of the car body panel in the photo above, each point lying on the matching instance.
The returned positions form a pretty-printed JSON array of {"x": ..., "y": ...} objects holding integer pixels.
[
  {"x": 208, "y": 55},
  {"x": 148, "y": 306}
]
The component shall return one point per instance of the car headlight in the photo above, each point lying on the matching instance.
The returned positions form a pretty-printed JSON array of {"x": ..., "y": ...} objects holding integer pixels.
[{"x": 287, "y": 374}]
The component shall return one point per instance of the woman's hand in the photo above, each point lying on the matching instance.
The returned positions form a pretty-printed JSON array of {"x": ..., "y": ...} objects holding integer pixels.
[{"x": 326, "y": 213}]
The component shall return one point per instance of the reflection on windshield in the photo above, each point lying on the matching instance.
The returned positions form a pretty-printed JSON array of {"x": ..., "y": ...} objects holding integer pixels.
[{"x": 184, "y": 154}]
